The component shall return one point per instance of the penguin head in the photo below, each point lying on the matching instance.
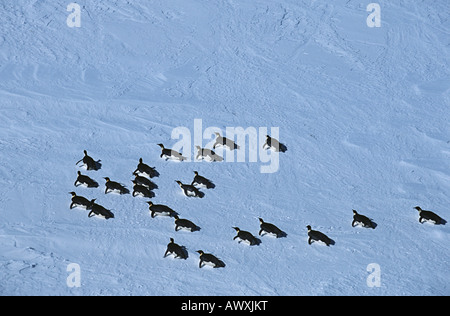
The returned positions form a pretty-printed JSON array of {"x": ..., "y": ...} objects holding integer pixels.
[
  {"x": 93, "y": 201},
  {"x": 308, "y": 227},
  {"x": 161, "y": 145},
  {"x": 134, "y": 181},
  {"x": 179, "y": 182},
  {"x": 150, "y": 203},
  {"x": 85, "y": 152},
  {"x": 200, "y": 252},
  {"x": 140, "y": 160},
  {"x": 354, "y": 212},
  {"x": 107, "y": 179},
  {"x": 196, "y": 173},
  {"x": 79, "y": 173},
  {"x": 261, "y": 220},
  {"x": 418, "y": 208},
  {"x": 171, "y": 240},
  {"x": 198, "y": 147},
  {"x": 73, "y": 194},
  {"x": 236, "y": 229},
  {"x": 217, "y": 134},
  {"x": 176, "y": 217},
  {"x": 267, "y": 136}
]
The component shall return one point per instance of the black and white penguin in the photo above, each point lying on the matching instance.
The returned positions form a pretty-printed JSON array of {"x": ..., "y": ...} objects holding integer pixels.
[
  {"x": 207, "y": 154},
  {"x": 145, "y": 182},
  {"x": 246, "y": 236},
  {"x": 181, "y": 223},
  {"x": 270, "y": 229},
  {"x": 315, "y": 235},
  {"x": 141, "y": 190},
  {"x": 100, "y": 211},
  {"x": 202, "y": 181},
  {"x": 225, "y": 142},
  {"x": 85, "y": 180},
  {"x": 160, "y": 210},
  {"x": 90, "y": 163},
  {"x": 175, "y": 249},
  {"x": 362, "y": 220},
  {"x": 78, "y": 200},
  {"x": 115, "y": 186},
  {"x": 210, "y": 260},
  {"x": 274, "y": 144},
  {"x": 189, "y": 190},
  {"x": 145, "y": 169},
  {"x": 170, "y": 154},
  {"x": 430, "y": 216}
]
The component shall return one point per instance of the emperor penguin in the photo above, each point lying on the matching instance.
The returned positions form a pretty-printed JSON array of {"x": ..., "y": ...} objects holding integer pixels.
[
  {"x": 315, "y": 235},
  {"x": 171, "y": 154},
  {"x": 274, "y": 144},
  {"x": 208, "y": 154},
  {"x": 160, "y": 209},
  {"x": 78, "y": 200},
  {"x": 189, "y": 190},
  {"x": 89, "y": 162},
  {"x": 246, "y": 236},
  {"x": 145, "y": 169},
  {"x": 430, "y": 216},
  {"x": 177, "y": 250},
  {"x": 181, "y": 223},
  {"x": 115, "y": 186},
  {"x": 362, "y": 220},
  {"x": 202, "y": 181},
  {"x": 210, "y": 259},
  {"x": 100, "y": 211},
  {"x": 225, "y": 142},
  {"x": 85, "y": 180},
  {"x": 270, "y": 229}
]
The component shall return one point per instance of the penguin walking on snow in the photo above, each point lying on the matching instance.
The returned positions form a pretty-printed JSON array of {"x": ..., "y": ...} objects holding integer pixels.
[
  {"x": 189, "y": 190},
  {"x": 90, "y": 163},
  {"x": 85, "y": 180},
  {"x": 315, "y": 235},
  {"x": 160, "y": 210},
  {"x": 78, "y": 200},
  {"x": 362, "y": 220},
  {"x": 430, "y": 216},
  {"x": 170, "y": 154},
  {"x": 146, "y": 169},
  {"x": 270, "y": 229},
  {"x": 115, "y": 186},
  {"x": 210, "y": 259},
  {"x": 246, "y": 236},
  {"x": 181, "y": 223},
  {"x": 225, "y": 142},
  {"x": 177, "y": 250},
  {"x": 205, "y": 153},
  {"x": 202, "y": 181}
]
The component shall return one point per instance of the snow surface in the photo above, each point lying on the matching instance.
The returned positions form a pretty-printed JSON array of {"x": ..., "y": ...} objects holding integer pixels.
[{"x": 364, "y": 113}]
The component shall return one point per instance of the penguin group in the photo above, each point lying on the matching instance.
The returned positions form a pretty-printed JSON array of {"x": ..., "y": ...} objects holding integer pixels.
[{"x": 143, "y": 186}]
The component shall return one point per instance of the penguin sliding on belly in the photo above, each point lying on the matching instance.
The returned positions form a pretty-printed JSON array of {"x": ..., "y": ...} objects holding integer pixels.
[
  {"x": 225, "y": 142},
  {"x": 274, "y": 144},
  {"x": 141, "y": 190},
  {"x": 100, "y": 211},
  {"x": 89, "y": 162},
  {"x": 86, "y": 181},
  {"x": 160, "y": 210},
  {"x": 315, "y": 235},
  {"x": 430, "y": 217},
  {"x": 270, "y": 229},
  {"x": 362, "y": 220},
  {"x": 210, "y": 260},
  {"x": 207, "y": 154},
  {"x": 79, "y": 201},
  {"x": 177, "y": 250},
  {"x": 181, "y": 223},
  {"x": 115, "y": 186},
  {"x": 202, "y": 181},
  {"x": 170, "y": 154},
  {"x": 145, "y": 169},
  {"x": 246, "y": 236},
  {"x": 189, "y": 190}
]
